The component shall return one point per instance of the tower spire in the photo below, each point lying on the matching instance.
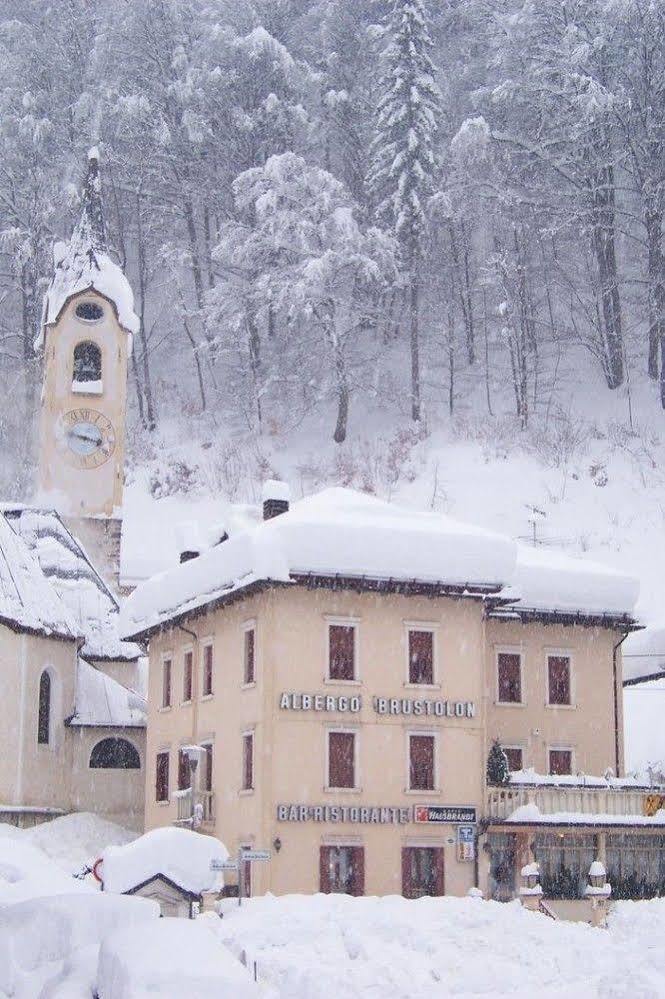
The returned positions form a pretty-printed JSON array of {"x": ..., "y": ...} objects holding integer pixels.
[{"x": 91, "y": 224}]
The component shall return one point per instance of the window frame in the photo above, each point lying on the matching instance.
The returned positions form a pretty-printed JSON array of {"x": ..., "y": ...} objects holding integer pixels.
[
  {"x": 343, "y": 730},
  {"x": 429, "y": 627},
  {"x": 559, "y": 654},
  {"x": 514, "y": 746},
  {"x": 207, "y": 644},
  {"x": 166, "y": 657},
  {"x": 249, "y": 733},
  {"x": 343, "y": 622},
  {"x": 428, "y": 733},
  {"x": 246, "y": 627},
  {"x": 187, "y": 651},
  {"x": 509, "y": 650},
  {"x": 560, "y": 749},
  {"x": 167, "y": 754}
]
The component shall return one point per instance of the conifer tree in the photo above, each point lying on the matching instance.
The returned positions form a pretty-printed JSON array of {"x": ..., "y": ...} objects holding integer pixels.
[
  {"x": 402, "y": 154},
  {"x": 497, "y": 765}
]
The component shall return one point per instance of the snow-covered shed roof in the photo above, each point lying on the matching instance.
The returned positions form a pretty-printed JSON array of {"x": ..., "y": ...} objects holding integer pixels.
[
  {"x": 28, "y": 602},
  {"x": 182, "y": 856},
  {"x": 337, "y": 532},
  {"x": 68, "y": 576},
  {"x": 83, "y": 263},
  {"x": 102, "y": 701},
  {"x": 551, "y": 582}
]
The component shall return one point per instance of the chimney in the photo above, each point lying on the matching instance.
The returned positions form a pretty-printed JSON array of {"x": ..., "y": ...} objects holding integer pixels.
[
  {"x": 188, "y": 555},
  {"x": 276, "y": 496},
  {"x": 189, "y": 540}
]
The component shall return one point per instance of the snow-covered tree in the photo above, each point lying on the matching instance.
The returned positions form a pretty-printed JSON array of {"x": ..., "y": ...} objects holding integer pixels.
[{"x": 403, "y": 152}]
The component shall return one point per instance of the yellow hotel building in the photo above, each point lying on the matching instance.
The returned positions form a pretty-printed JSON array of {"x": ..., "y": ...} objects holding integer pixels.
[{"x": 345, "y": 668}]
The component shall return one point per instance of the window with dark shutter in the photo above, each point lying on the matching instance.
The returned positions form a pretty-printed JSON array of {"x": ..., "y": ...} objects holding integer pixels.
[
  {"x": 166, "y": 683},
  {"x": 421, "y": 656},
  {"x": 561, "y": 762},
  {"x": 422, "y": 871},
  {"x": 341, "y": 652},
  {"x": 184, "y": 772},
  {"x": 162, "y": 777},
  {"x": 558, "y": 668},
  {"x": 187, "y": 677},
  {"x": 514, "y": 756},
  {"x": 341, "y": 759},
  {"x": 250, "y": 651},
  {"x": 44, "y": 712},
  {"x": 207, "y": 670},
  {"x": 509, "y": 666},
  {"x": 342, "y": 870},
  {"x": 248, "y": 762},
  {"x": 421, "y": 762}
]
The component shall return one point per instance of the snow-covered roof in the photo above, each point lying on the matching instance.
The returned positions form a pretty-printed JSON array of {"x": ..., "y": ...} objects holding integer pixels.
[
  {"x": 183, "y": 856},
  {"x": 644, "y": 654},
  {"x": 28, "y": 602},
  {"x": 68, "y": 576},
  {"x": 83, "y": 263},
  {"x": 546, "y": 580},
  {"x": 102, "y": 701},
  {"x": 531, "y": 815},
  {"x": 337, "y": 532}
]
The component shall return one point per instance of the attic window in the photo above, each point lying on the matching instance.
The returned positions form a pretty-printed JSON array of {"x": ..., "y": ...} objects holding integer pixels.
[{"x": 90, "y": 312}]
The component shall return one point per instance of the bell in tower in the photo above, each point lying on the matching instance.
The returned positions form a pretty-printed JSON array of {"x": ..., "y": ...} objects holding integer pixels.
[{"x": 87, "y": 326}]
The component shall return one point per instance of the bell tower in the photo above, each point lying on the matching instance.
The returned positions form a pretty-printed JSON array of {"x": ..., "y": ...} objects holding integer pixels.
[{"x": 86, "y": 337}]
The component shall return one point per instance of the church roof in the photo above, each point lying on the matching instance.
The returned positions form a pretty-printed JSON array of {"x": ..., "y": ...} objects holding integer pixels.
[
  {"x": 83, "y": 263},
  {"x": 67, "y": 579},
  {"x": 28, "y": 602},
  {"x": 103, "y": 701}
]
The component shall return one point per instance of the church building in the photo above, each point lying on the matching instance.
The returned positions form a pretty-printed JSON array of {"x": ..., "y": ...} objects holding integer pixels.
[{"x": 73, "y": 734}]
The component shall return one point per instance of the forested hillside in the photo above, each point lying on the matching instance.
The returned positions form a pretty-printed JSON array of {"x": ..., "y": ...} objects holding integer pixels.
[{"x": 345, "y": 215}]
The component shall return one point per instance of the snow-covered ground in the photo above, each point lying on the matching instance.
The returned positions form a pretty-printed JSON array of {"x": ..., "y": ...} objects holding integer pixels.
[{"x": 392, "y": 948}]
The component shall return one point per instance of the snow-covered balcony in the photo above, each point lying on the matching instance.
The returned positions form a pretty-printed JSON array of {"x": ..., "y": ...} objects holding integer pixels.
[
  {"x": 201, "y": 809},
  {"x": 578, "y": 799}
]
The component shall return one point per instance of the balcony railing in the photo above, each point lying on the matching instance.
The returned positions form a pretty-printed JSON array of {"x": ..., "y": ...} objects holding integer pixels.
[
  {"x": 186, "y": 809},
  {"x": 552, "y": 799}
]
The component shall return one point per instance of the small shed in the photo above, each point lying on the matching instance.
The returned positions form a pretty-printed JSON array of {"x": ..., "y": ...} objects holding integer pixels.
[{"x": 173, "y": 899}]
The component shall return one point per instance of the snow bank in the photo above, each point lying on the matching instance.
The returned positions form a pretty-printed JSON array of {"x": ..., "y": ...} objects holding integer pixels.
[
  {"x": 179, "y": 854},
  {"x": 27, "y": 873},
  {"x": 170, "y": 958},
  {"x": 549, "y": 580},
  {"x": 72, "y": 841},
  {"x": 46, "y": 930},
  {"x": 335, "y": 532}
]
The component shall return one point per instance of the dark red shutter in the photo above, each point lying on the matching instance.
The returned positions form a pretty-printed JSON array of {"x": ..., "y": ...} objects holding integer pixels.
[
  {"x": 162, "y": 777},
  {"x": 187, "y": 678},
  {"x": 561, "y": 762},
  {"x": 249, "y": 655},
  {"x": 358, "y": 855},
  {"x": 341, "y": 762},
  {"x": 421, "y": 762},
  {"x": 510, "y": 679},
  {"x": 421, "y": 657},
  {"x": 248, "y": 762},
  {"x": 184, "y": 773},
  {"x": 207, "y": 775},
  {"x": 324, "y": 869},
  {"x": 514, "y": 757},
  {"x": 341, "y": 640},
  {"x": 559, "y": 679}
]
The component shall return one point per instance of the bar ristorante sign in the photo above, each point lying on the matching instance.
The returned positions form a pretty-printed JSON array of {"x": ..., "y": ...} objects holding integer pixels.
[{"x": 418, "y": 706}]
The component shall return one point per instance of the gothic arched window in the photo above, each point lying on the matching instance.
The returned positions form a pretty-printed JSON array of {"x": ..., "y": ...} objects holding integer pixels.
[
  {"x": 44, "y": 718},
  {"x": 114, "y": 754},
  {"x": 87, "y": 362}
]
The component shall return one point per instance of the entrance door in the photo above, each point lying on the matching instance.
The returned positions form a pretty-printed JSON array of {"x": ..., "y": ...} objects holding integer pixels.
[
  {"x": 503, "y": 854},
  {"x": 342, "y": 870},
  {"x": 422, "y": 871}
]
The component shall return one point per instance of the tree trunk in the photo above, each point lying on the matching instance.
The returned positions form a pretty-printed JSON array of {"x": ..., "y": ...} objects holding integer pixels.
[
  {"x": 654, "y": 228},
  {"x": 342, "y": 390},
  {"x": 415, "y": 358},
  {"x": 604, "y": 248},
  {"x": 147, "y": 414}
]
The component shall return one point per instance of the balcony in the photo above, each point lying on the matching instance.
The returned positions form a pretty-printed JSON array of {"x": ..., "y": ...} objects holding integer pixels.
[
  {"x": 611, "y": 802},
  {"x": 205, "y": 799}
]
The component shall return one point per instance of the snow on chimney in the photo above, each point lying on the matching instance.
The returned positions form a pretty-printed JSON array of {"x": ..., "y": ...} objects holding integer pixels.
[
  {"x": 189, "y": 540},
  {"x": 276, "y": 496}
]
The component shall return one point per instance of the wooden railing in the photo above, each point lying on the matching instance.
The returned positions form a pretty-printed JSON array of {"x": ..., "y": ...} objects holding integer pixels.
[
  {"x": 185, "y": 809},
  {"x": 550, "y": 799}
]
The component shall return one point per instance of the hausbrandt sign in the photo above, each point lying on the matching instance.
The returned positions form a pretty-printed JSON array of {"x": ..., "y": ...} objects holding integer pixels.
[
  {"x": 375, "y": 815},
  {"x": 417, "y": 706}
]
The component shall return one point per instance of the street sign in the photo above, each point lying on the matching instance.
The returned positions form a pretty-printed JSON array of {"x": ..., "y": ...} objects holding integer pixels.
[
  {"x": 223, "y": 865},
  {"x": 255, "y": 854}
]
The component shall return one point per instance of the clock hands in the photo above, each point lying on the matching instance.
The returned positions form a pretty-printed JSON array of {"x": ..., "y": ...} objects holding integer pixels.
[{"x": 93, "y": 438}]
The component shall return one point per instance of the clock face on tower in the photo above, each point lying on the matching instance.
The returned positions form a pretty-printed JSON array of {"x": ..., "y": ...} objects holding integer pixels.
[{"x": 89, "y": 437}]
